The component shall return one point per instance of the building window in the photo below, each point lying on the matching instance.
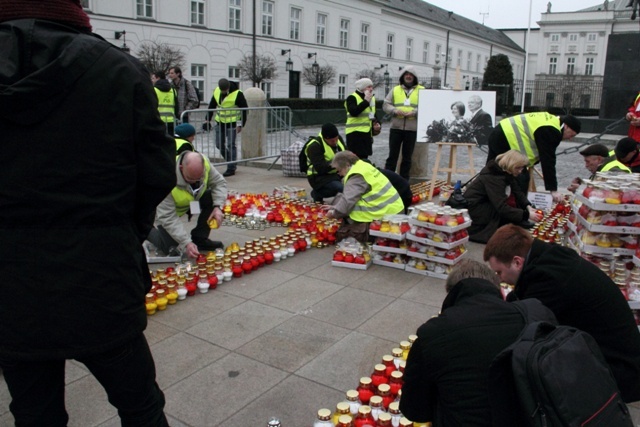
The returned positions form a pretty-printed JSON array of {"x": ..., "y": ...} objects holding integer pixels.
[
  {"x": 235, "y": 9},
  {"x": 555, "y": 37},
  {"x": 553, "y": 65},
  {"x": 390, "y": 45},
  {"x": 425, "y": 53},
  {"x": 344, "y": 33},
  {"x": 321, "y": 29},
  {"x": 585, "y": 100},
  {"x": 588, "y": 66},
  {"x": 144, "y": 8},
  {"x": 571, "y": 64},
  {"x": 478, "y": 59},
  {"x": 85, "y": 4},
  {"x": 409, "y": 49},
  {"x": 342, "y": 86},
  {"x": 197, "y": 77},
  {"x": 592, "y": 37},
  {"x": 197, "y": 12},
  {"x": 294, "y": 23},
  {"x": 469, "y": 56},
  {"x": 234, "y": 74},
  {"x": 267, "y": 18},
  {"x": 549, "y": 99},
  {"x": 459, "y": 61},
  {"x": 573, "y": 37},
  {"x": 364, "y": 37},
  {"x": 449, "y": 55},
  {"x": 266, "y": 88}
]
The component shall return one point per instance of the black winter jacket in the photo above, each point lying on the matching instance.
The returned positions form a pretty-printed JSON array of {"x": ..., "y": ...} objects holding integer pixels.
[
  {"x": 446, "y": 376},
  {"x": 86, "y": 162},
  {"x": 582, "y": 296},
  {"x": 488, "y": 208}
]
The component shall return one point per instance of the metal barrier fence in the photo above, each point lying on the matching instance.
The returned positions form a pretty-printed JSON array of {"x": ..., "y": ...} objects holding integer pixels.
[{"x": 266, "y": 132}]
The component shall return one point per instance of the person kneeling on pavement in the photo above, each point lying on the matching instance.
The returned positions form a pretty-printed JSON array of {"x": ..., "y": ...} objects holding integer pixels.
[
  {"x": 201, "y": 190},
  {"x": 322, "y": 177},
  {"x": 367, "y": 195}
]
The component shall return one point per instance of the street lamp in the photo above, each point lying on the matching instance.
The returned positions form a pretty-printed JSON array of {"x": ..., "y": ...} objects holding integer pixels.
[
  {"x": 386, "y": 76},
  {"x": 315, "y": 65},
  {"x": 124, "y": 46},
  {"x": 289, "y": 63}
]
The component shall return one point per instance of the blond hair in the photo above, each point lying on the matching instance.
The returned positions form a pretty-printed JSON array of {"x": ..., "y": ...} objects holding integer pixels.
[{"x": 511, "y": 160}]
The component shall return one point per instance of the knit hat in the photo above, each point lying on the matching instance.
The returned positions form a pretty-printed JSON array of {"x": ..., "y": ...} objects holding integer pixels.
[
  {"x": 364, "y": 83},
  {"x": 329, "y": 130},
  {"x": 625, "y": 146},
  {"x": 69, "y": 12},
  {"x": 572, "y": 122},
  {"x": 596, "y": 150},
  {"x": 184, "y": 130}
]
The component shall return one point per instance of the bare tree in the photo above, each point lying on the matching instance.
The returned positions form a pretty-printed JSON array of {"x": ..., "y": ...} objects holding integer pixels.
[
  {"x": 318, "y": 77},
  {"x": 158, "y": 56},
  {"x": 265, "y": 69},
  {"x": 376, "y": 78}
]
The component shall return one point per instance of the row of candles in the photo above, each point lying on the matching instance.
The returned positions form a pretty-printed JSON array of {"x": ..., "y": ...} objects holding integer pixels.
[
  {"x": 174, "y": 284},
  {"x": 375, "y": 402}
]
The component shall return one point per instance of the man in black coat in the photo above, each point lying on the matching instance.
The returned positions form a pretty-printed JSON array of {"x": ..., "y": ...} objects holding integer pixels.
[
  {"x": 578, "y": 293},
  {"x": 446, "y": 376},
  {"x": 481, "y": 121},
  {"x": 87, "y": 161}
]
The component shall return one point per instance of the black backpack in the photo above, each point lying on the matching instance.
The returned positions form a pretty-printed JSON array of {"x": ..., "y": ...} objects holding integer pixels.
[
  {"x": 554, "y": 376},
  {"x": 302, "y": 157}
]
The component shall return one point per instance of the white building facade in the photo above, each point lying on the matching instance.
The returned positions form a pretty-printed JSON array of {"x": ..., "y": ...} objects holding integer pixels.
[{"x": 351, "y": 36}]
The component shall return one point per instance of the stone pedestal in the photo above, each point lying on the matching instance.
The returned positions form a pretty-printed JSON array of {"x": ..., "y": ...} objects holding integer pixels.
[
  {"x": 419, "y": 163},
  {"x": 254, "y": 134}
]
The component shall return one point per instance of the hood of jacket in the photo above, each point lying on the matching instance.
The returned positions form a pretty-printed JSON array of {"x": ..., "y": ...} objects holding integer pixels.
[
  {"x": 411, "y": 70},
  {"x": 35, "y": 78},
  {"x": 467, "y": 288},
  {"x": 162, "y": 85}
]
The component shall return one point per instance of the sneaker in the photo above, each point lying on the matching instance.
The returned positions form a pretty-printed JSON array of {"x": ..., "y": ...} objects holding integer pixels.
[
  {"x": 208, "y": 244},
  {"x": 316, "y": 197},
  {"x": 229, "y": 173}
]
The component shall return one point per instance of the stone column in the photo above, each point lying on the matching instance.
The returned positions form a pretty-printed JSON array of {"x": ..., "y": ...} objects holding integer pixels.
[
  {"x": 419, "y": 163},
  {"x": 254, "y": 134}
]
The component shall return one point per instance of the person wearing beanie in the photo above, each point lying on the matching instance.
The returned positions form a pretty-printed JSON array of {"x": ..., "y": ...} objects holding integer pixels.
[
  {"x": 597, "y": 158},
  {"x": 319, "y": 151},
  {"x": 185, "y": 134},
  {"x": 79, "y": 204},
  {"x": 402, "y": 105},
  {"x": 362, "y": 123},
  {"x": 537, "y": 136},
  {"x": 226, "y": 99},
  {"x": 167, "y": 99},
  {"x": 633, "y": 117},
  {"x": 627, "y": 153}
]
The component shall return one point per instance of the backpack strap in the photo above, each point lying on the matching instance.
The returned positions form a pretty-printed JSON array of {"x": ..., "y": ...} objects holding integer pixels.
[{"x": 532, "y": 310}]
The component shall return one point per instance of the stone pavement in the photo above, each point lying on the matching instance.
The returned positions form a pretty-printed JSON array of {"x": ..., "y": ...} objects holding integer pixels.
[{"x": 283, "y": 341}]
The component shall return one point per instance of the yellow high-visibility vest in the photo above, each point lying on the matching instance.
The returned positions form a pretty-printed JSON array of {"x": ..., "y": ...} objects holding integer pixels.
[
  {"x": 520, "y": 129},
  {"x": 362, "y": 122},
  {"x": 329, "y": 154},
  {"x": 381, "y": 200},
  {"x": 400, "y": 97},
  {"x": 228, "y": 103},
  {"x": 166, "y": 105},
  {"x": 182, "y": 196}
]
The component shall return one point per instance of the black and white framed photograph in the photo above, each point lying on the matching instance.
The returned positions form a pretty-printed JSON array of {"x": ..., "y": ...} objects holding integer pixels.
[{"x": 455, "y": 116}]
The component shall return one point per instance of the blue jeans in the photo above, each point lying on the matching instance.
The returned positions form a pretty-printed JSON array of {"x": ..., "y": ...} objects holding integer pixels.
[
  {"x": 226, "y": 142},
  {"x": 127, "y": 374}
]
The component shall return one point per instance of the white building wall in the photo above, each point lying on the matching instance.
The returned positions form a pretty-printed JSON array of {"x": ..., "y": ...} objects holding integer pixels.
[{"x": 217, "y": 48}]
